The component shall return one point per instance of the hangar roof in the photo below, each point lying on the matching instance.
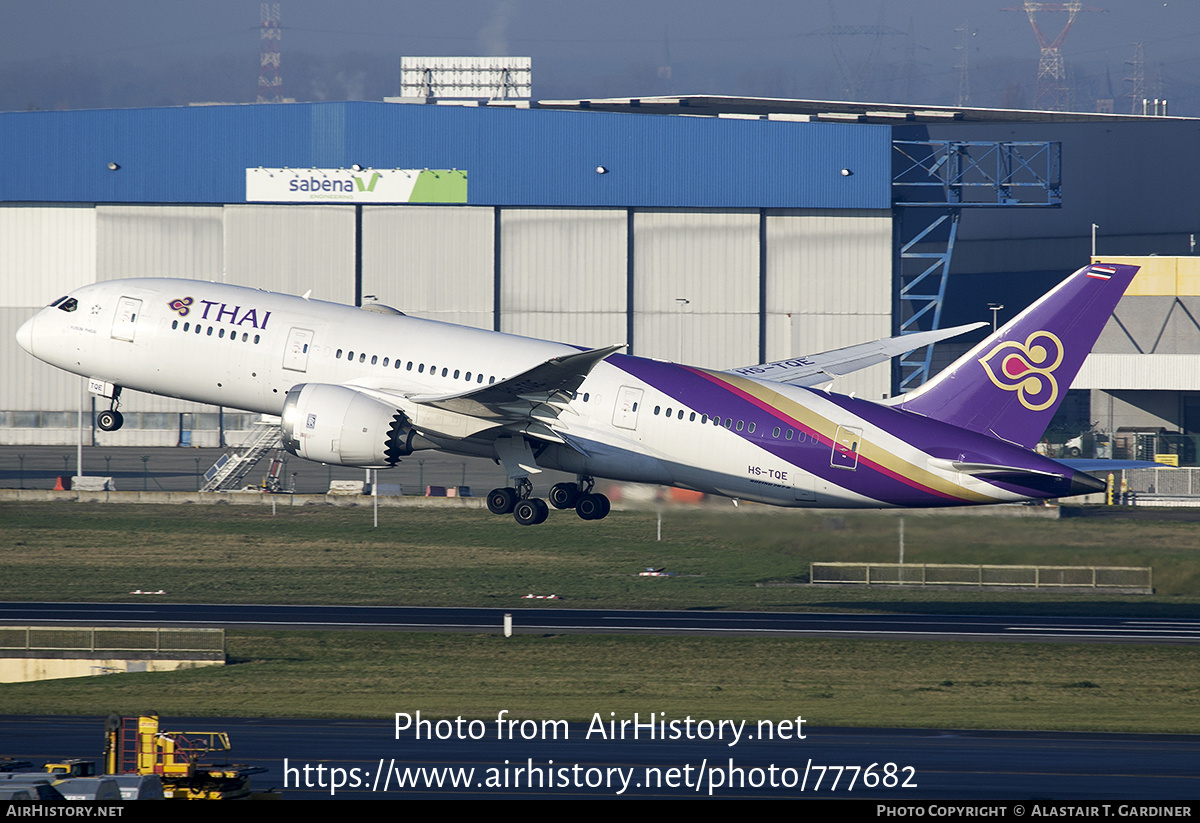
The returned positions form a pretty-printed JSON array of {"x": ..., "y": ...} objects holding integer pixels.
[
  {"x": 513, "y": 157},
  {"x": 834, "y": 111}
]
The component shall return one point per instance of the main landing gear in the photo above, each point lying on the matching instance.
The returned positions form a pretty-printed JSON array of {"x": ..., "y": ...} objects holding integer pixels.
[
  {"x": 110, "y": 419},
  {"x": 526, "y": 510},
  {"x": 529, "y": 511}
]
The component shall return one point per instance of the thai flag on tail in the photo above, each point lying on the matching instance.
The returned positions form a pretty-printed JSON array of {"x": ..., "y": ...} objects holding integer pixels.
[{"x": 1101, "y": 272}]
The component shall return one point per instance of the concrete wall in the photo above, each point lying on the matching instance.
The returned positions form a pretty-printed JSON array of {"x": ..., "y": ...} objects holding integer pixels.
[{"x": 26, "y": 669}]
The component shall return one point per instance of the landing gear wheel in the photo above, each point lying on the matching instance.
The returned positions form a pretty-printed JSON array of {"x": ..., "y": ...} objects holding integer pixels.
[
  {"x": 110, "y": 420},
  {"x": 502, "y": 501},
  {"x": 592, "y": 507},
  {"x": 564, "y": 495},
  {"x": 531, "y": 511}
]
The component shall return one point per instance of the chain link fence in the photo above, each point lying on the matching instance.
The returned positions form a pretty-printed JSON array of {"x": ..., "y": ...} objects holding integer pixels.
[
  {"x": 1125, "y": 578},
  {"x": 100, "y": 639}
]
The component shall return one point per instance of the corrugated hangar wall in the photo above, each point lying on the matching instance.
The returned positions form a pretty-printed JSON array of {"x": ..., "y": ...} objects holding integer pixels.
[
  {"x": 753, "y": 223},
  {"x": 753, "y": 280}
]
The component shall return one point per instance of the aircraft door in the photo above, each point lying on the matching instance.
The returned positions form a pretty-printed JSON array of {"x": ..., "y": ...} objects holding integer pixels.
[
  {"x": 804, "y": 485},
  {"x": 845, "y": 448},
  {"x": 295, "y": 353},
  {"x": 125, "y": 321},
  {"x": 625, "y": 414}
]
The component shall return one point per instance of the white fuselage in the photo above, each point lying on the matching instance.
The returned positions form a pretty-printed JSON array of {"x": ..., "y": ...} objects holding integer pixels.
[{"x": 631, "y": 419}]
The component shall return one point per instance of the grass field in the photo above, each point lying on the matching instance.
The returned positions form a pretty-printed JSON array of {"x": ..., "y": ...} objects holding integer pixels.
[
  {"x": 828, "y": 682},
  {"x": 65, "y": 551}
]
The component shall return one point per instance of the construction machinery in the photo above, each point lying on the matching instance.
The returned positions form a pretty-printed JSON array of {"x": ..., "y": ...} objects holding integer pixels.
[{"x": 136, "y": 745}]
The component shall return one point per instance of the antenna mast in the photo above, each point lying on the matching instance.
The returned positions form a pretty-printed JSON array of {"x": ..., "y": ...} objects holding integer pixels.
[{"x": 270, "y": 34}]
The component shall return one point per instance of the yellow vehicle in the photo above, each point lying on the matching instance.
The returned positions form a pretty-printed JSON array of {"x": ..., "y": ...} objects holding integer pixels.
[
  {"x": 135, "y": 745},
  {"x": 75, "y": 767}
]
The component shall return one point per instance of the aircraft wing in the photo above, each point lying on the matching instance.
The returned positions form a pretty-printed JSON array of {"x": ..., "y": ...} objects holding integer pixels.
[
  {"x": 815, "y": 369},
  {"x": 533, "y": 399}
]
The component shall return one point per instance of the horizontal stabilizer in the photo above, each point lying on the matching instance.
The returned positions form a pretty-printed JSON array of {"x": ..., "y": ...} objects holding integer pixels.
[
  {"x": 815, "y": 369},
  {"x": 1063, "y": 484},
  {"x": 984, "y": 469}
]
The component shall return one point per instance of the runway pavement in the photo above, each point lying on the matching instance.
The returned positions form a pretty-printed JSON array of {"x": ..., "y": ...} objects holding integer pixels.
[{"x": 594, "y": 621}]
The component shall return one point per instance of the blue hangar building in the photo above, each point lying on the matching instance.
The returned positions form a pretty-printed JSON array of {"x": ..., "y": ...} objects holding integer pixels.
[{"x": 750, "y": 230}]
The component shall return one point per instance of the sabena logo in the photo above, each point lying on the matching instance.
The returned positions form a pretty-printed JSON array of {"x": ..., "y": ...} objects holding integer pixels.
[
  {"x": 323, "y": 183},
  {"x": 358, "y": 182},
  {"x": 1027, "y": 368}
]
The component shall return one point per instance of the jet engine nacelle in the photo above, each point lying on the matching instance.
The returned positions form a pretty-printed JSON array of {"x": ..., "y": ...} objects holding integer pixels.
[{"x": 339, "y": 425}]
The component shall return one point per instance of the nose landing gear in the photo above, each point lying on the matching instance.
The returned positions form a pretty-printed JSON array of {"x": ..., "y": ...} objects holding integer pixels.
[{"x": 110, "y": 419}]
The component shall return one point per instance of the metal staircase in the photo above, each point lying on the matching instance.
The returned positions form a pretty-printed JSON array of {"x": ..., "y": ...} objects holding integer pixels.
[{"x": 227, "y": 473}]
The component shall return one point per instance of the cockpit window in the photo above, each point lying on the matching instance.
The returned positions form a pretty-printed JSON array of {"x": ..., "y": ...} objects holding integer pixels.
[{"x": 66, "y": 304}]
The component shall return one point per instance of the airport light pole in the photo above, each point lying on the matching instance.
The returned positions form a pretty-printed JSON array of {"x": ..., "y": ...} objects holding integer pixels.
[
  {"x": 681, "y": 302},
  {"x": 993, "y": 308}
]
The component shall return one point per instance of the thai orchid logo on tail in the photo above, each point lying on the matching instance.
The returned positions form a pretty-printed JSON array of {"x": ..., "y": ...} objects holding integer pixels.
[{"x": 1027, "y": 368}]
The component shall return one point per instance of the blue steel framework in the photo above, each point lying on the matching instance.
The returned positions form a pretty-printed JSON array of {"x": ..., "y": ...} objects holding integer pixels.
[{"x": 932, "y": 182}]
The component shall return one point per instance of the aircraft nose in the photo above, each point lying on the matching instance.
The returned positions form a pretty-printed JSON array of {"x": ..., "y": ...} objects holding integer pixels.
[{"x": 25, "y": 334}]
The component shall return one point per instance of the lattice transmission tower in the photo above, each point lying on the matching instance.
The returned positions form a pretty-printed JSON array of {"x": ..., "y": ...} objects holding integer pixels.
[
  {"x": 965, "y": 33},
  {"x": 1136, "y": 78},
  {"x": 270, "y": 35},
  {"x": 855, "y": 79},
  {"x": 1053, "y": 86}
]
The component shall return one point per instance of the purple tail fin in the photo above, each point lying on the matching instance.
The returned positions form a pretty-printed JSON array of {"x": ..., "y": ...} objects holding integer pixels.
[{"x": 1010, "y": 385}]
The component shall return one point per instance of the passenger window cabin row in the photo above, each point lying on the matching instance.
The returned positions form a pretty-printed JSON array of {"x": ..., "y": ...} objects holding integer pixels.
[
  {"x": 220, "y": 335},
  {"x": 420, "y": 368},
  {"x": 349, "y": 356},
  {"x": 735, "y": 425}
]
